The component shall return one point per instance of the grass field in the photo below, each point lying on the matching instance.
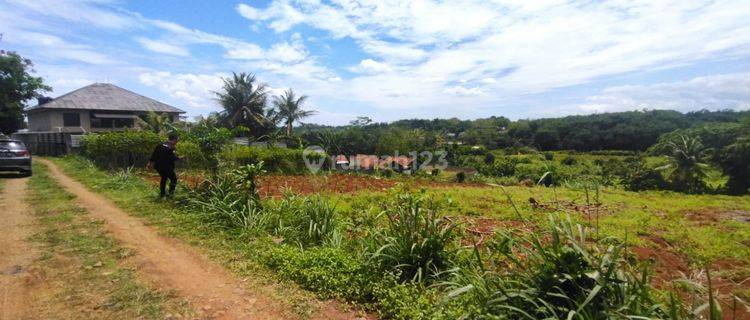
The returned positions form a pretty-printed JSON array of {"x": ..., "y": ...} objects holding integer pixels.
[{"x": 681, "y": 235}]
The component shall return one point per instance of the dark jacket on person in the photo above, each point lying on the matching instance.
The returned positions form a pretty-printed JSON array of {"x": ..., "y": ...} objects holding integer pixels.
[{"x": 163, "y": 158}]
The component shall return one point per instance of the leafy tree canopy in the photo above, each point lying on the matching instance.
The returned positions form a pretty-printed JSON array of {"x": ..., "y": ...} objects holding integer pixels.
[{"x": 17, "y": 86}]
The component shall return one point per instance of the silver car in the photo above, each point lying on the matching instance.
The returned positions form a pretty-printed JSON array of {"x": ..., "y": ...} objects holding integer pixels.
[{"x": 14, "y": 157}]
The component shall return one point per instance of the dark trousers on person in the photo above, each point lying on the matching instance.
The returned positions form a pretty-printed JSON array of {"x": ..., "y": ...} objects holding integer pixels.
[{"x": 167, "y": 174}]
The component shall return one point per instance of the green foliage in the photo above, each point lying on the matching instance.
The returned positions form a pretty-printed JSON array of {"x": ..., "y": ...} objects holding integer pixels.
[
  {"x": 191, "y": 155},
  {"x": 289, "y": 109},
  {"x": 735, "y": 162},
  {"x": 244, "y": 103},
  {"x": 210, "y": 140},
  {"x": 275, "y": 159},
  {"x": 460, "y": 177},
  {"x": 569, "y": 161},
  {"x": 308, "y": 221},
  {"x": 559, "y": 277},
  {"x": 231, "y": 201},
  {"x": 416, "y": 242},
  {"x": 17, "y": 86},
  {"x": 158, "y": 123},
  {"x": 330, "y": 272},
  {"x": 503, "y": 167},
  {"x": 687, "y": 157},
  {"x": 120, "y": 149}
]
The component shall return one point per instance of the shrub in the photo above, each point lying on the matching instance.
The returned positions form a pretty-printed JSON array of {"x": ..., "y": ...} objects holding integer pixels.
[
  {"x": 561, "y": 277},
  {"x": 307, "y": 221},
  {"x": 415, "y": 243},
  {"x": 330, "y": 272},
  {"x": 120, "y": 149},
  {"x": 387, "y": 172},
  {"x": 569, "y": 161},
  {"x": 191, "y": 155},
  {"x": 460, "y": 177},
  {"x": 645, "y": 179},
  {"x": 275, "y": 159},
  {"x": 230, "y": 200},
  {"x": 503, "y": 167},
  {"x": 489, "y": 158}
]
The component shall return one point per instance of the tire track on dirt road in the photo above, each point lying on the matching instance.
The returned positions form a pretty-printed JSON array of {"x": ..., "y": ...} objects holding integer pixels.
[
  {"x": 16, "y": 254},
  {"x": 212, "y": 291}
]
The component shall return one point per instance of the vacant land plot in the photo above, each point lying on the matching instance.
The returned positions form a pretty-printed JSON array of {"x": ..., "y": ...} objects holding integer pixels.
[{"x": 326, "y": 234}]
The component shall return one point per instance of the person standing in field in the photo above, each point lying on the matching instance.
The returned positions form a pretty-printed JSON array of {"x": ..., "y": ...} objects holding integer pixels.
[{"x": 163, "y": 159}]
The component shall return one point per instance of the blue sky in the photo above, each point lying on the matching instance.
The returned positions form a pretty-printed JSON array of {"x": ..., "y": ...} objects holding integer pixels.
[{"x": 399, "y": 59}]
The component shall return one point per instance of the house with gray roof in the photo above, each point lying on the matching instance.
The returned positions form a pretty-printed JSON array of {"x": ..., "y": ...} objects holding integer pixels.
[{"x": 94, "y": 108}]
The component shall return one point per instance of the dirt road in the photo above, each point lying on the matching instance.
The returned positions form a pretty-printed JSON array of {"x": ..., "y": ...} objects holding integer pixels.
[
  {"x": 211, "y": 290},
  {"x": 16, "y": 253}
]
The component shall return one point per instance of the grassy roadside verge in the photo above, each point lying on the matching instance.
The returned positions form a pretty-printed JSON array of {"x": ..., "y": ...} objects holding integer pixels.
[
  {"x": 139, "y": 198},
  {"x": 86, "y": 270}
]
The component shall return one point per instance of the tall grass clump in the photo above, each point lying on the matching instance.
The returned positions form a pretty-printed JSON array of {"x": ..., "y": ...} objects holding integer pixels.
[
  {"x": 231, "y": 200},
  {"x": 416, "y": 243},
  {"x": 308, "y": 221},
  {"x": 557, "y": 275}
]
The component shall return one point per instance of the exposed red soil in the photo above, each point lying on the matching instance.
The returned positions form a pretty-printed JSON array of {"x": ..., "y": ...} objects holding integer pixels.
[
  {"x": 275, "y": 185},
  {"x": 670, "y": 265},
  {"x": 709, "y": 216}
]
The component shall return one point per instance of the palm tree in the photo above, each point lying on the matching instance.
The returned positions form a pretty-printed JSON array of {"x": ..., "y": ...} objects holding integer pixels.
[
  {"x": 289, "y": 109},
  {"x": 687, "y": 159},
  {"x": 244, "y": 102},
  {"x": 157, "y": 123}
]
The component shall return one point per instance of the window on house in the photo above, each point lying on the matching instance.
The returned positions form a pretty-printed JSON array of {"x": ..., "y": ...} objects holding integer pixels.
[{"x": 71, "y": 120}]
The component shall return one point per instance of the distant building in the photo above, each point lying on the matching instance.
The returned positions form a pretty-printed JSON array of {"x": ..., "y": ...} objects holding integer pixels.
[{"x": 94, "y": 108}]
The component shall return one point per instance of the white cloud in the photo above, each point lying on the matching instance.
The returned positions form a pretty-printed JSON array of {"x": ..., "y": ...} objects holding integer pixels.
[
  {"x": 195, "y": 90},
  {"x": 509, "y": 47},
  {"x": 729, "y": 91},
  {"x": 371, "y": 66},
  {"x": 463, "y": 91},
  {"x": 55, "y": 48},
  {"x": 96, "y": 13},
  {"x": 163, "y": 47}
]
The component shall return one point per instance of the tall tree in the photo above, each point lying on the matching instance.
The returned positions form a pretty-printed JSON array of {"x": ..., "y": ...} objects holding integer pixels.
[
  {"x": 17, "y": 86},
  {"x": 244, "y": 101},
  {"x": 289, "y": 109}
]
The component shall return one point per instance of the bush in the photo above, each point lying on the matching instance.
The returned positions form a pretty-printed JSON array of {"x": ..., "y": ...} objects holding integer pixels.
[
  {"x": 330, "y": 272},
  {"x": 415, "y": 245},
  {"x": 191, "y": 155},
  {"x": 275, "y": 159},
  {"x": 503, "y": 167},
  {"x": 120, "y": 149},
  {"x": 645, "y": 179},
  {"x": 461, "y": 177},
  {"x": 231, "y": 201},
  {"x": 569, "y": 161},
  {"x": 309, "y": 221},
  {"x": 560, "y": 276}
]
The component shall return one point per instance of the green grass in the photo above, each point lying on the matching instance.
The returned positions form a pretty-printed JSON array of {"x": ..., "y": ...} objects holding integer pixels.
[
  {"x": 632, "y": 217},
  {"x": 224, "y": 246},
  {"x": 624, "y": 215},
  {"x": 97, "y": 282}
]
